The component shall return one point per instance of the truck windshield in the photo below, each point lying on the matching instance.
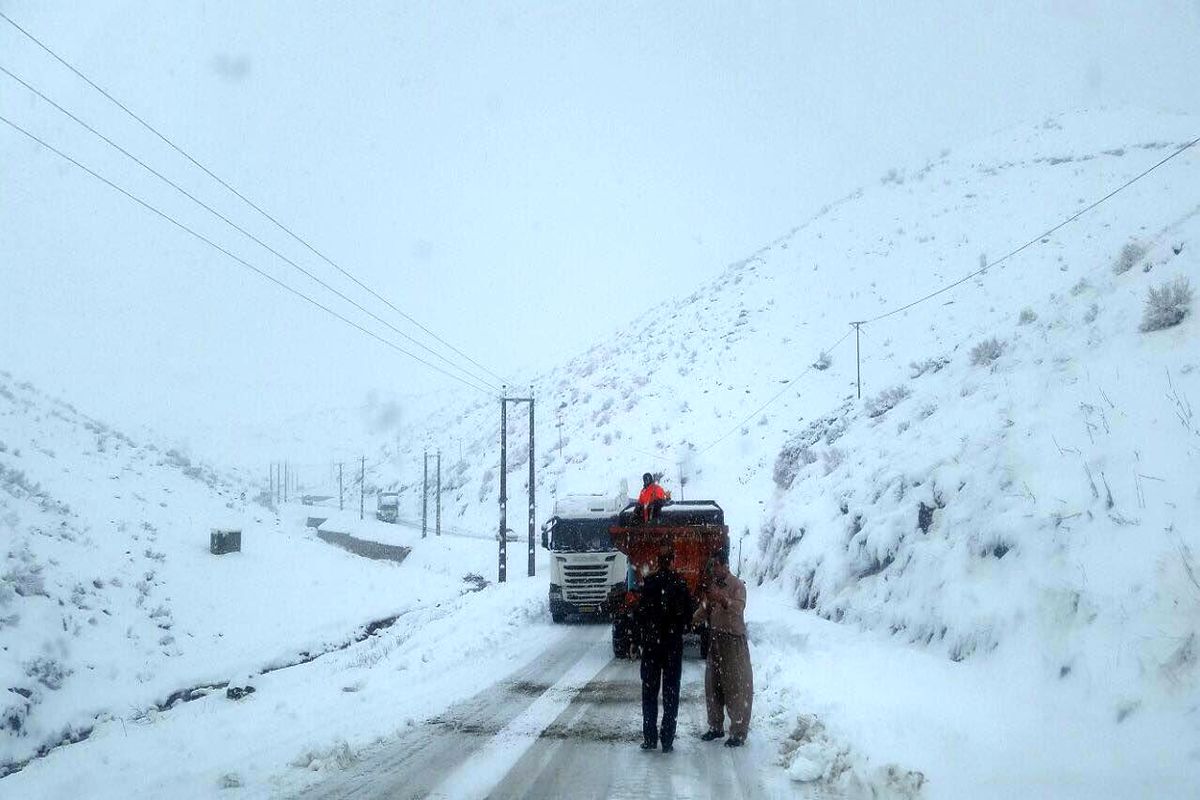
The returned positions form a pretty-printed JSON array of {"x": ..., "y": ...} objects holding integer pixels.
[{"x": 582, "y": 535}]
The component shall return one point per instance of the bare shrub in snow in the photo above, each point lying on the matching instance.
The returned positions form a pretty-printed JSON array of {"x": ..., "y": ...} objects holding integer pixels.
[
  {"x": 47, "y": 671},
  {"x": 1167, "y": 305},
  {"x": 929, "y": 365},
  {"x": 25, "y": 576},
  {"x": 1028, "y": 315},
  {"x": 885, "y": 401},
  {"x": 986, "y": 352},
  {"x": 792, "y": 458},
  {"x": 1131, "y": 254},
  {"x": 1080, "y": 287},
  {"x": 1090, "y": 316},
  {"x": 13, "y": 716},
  {"x": 823, "y": 361},
  {"x": 833, "y": 459},
  {"x": 797, "y": 453}
]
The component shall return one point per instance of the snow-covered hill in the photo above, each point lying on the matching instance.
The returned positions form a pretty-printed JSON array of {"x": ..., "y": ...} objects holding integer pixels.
[
  {"x": 111, "y": 605},
  {"x": 680, "y": 390},
  {"x": 1041, "y": 500}
]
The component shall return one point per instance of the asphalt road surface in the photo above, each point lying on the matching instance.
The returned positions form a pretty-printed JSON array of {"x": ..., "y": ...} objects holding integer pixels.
[{"x": 566, "y": 725}]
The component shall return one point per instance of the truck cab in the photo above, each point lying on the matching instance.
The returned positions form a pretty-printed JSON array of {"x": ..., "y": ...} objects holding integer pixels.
[
  {"x": 584, "y": 564},
  {"x": 387, "y": 507}
]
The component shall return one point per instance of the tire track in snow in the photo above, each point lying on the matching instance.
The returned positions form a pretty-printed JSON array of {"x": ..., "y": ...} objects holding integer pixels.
[{"x": 424, "y": 760}]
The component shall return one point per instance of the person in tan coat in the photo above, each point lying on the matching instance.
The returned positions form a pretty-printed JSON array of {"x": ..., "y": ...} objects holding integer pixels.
[{"x": 728, "y": 678}]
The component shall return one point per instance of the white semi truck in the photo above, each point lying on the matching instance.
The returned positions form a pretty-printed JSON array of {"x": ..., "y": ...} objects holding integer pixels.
[{"x": 584, "y": 564}]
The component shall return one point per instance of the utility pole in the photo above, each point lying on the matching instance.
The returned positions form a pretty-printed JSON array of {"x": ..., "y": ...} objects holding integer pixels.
[
  {"x": 362, "y": 487},
  {"x": 559, "y": 425},
  {"x": 532, "y": 500},
  {"x": 858, "y": 353},
  {"x": 425, "y": 495},
  {"x": 439, "y": 493},
  {"x": 504, "y": 401},
  {"x": 286, "y": 475},
  {"x": 341, "y": 491},
  {"x": 503, "y": 484}
]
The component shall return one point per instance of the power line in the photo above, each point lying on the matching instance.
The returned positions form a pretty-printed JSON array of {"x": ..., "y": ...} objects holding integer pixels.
[
  {"x": 652, "y": 455},
  {"x": 241, "y": 196},
  {"x": 1036, "y": 239},
  {"x": 236, "y": 258},
  {"x": 775, "y": 397},
  {"x": 235, "y": 226}
]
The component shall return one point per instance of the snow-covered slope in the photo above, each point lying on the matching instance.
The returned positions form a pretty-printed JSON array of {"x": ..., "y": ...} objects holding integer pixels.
[
  {"x": 679, "y": 391},
  {"x": 1044, "y": 499},
  {"x": 110, "y": 603}
]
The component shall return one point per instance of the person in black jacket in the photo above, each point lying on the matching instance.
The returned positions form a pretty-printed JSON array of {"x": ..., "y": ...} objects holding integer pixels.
[{"x": 664, "y": 610}]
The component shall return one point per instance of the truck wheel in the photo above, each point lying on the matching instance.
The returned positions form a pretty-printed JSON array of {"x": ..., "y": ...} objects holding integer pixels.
[
  {"x": 620, "y": 638},
  {"x": 557, "y": 617}
]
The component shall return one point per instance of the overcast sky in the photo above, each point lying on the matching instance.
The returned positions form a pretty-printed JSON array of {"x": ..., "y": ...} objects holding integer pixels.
[{"x": 521, "y": 178}]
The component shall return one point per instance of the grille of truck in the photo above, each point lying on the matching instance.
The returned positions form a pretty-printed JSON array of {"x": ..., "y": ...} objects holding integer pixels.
[{"x": 585, "y": 583}]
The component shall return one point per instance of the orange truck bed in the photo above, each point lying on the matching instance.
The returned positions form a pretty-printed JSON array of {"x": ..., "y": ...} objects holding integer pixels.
[{"x": 693, "y": 546}]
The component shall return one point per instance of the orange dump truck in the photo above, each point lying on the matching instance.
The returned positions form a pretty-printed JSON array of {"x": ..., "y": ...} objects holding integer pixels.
[{"x": 695, "y": 531}]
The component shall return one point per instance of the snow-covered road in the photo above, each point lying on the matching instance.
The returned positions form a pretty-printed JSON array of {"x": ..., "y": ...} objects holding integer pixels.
[{"x": 568, "y": 724}]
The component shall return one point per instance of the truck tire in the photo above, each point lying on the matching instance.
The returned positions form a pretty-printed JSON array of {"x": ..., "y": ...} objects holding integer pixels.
[
  {"x": 621, "y": 638},
  {"x": 557, "y": 617}
]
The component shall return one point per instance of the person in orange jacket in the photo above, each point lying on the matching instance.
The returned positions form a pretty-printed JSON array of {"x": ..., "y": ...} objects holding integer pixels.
[{"x": 652, "y": 498}]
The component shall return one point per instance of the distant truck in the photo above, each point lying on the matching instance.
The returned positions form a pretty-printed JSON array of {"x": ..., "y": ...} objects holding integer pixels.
[
  {"x": 584, "y": 564},
  {"x": 695, "y": 531},
  {"x": 387, "y": 508}
]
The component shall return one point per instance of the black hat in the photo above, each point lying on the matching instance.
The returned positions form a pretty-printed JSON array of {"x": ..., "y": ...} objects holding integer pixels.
[{"x": 647, "y": 478}]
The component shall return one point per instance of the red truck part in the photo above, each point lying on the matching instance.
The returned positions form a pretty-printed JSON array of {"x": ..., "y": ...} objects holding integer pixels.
[{"x": 695, "y": 531}]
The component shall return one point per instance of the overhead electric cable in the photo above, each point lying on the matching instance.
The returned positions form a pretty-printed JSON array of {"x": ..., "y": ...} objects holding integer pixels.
[
  {"x": 1035, "y": 239},
  {"x": 235, "y": 257},
  {"x": 775, "y": 397},
  {"x": 237, "y": 227},
  {"x": 241, "y": 196}
]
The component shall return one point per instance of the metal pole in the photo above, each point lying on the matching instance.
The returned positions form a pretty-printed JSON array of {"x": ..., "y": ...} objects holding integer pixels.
[
  {"x": 341, "y": 491},
  {"x": 438, "y": 526},
  {"x": 503, "y": 484},
  {"x": 425, "y": 494},
  {"x": 532, "y": 496},
  {"x": 362, "y": 488}
]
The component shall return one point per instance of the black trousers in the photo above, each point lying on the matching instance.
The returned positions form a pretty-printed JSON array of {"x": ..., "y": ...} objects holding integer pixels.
[{"x": 662, "y": 665}]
